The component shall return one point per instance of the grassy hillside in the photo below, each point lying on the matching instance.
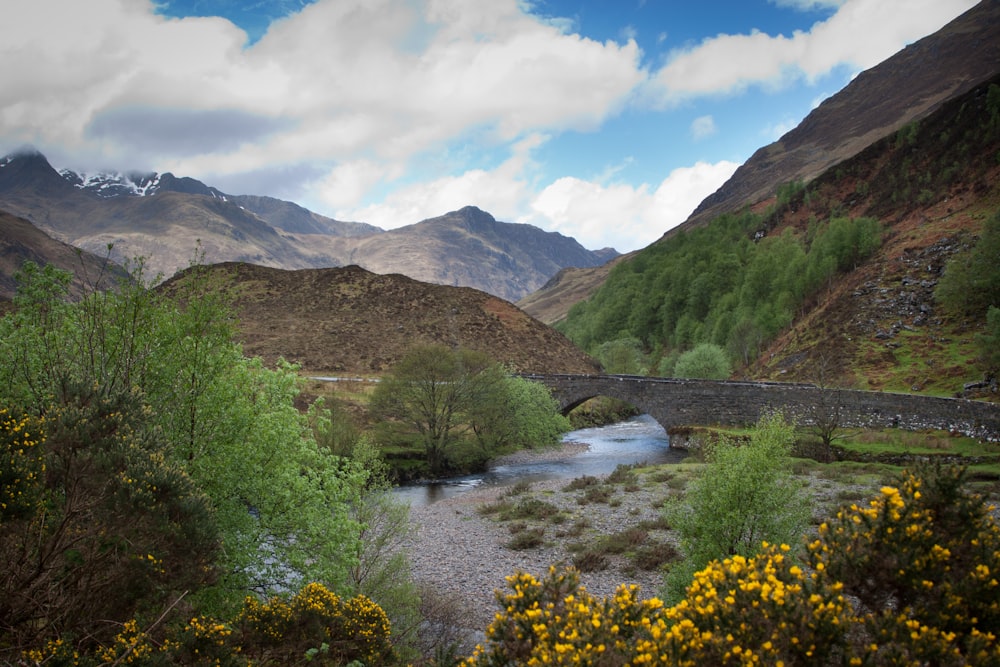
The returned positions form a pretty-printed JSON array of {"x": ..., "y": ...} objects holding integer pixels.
[{"x": 832, "y": 281}]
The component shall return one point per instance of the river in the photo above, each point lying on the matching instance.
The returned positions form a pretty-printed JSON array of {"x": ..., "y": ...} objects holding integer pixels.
[{"x": 636, "y": 440}]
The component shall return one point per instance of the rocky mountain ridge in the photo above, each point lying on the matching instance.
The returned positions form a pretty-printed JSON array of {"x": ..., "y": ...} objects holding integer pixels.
[{"x": 168, "y": 220}]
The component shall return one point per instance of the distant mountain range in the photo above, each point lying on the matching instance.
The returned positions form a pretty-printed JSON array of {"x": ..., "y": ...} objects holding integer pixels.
[{"x": 168, "y": 219}]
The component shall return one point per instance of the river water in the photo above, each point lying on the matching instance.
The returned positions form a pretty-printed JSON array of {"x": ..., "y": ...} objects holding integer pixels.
[{"x": 636, "y": 440}]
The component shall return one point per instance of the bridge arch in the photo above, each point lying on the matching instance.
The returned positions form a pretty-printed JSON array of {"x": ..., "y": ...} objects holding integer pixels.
[{"x": 677, "y": 402}]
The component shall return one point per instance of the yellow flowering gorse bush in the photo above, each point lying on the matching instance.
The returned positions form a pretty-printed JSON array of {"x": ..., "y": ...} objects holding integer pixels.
[
  {"x": 22, "y": 463},
  {"x": 909, "y": 580}
]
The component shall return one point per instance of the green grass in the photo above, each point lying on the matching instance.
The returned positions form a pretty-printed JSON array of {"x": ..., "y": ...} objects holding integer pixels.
[{"x": 896, "y": 441}]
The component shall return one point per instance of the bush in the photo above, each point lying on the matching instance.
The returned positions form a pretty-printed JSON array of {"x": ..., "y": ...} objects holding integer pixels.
[
  {"x": 746, "y": 495},
  {"x": 922, "y": 561},
  {"x": 707, "y": 361},
  {"x": 313, "y": 625}
]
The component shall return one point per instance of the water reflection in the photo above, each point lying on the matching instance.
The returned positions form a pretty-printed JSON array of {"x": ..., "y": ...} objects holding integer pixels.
[{"x": 636, "y": 440}]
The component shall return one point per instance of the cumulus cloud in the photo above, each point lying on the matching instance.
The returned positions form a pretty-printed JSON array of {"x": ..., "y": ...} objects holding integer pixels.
[
  {"x": 601, "y": 215},
  {"x": 702, "y": 127},
  {"x": 346, "y": 100},
  {"x": 859, "y": 35},
  {"x": 341, "y": 80}
]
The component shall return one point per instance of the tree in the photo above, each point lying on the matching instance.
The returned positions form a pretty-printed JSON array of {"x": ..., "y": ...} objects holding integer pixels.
[
  {"x": 522, "y": 415},
  {"x": 745, "y": 496},
  {"x": 280, "y": 502},
  {"x": 707, "y": 361},
  {"x": 971, "y": 280},
  {"x": 112, "y": 528},
  {"x": 428, "y": 397},
  {"x": 988, "y": 341},
  {"x": 452, "y": 401},
  {"x": 623, "y": 355}
]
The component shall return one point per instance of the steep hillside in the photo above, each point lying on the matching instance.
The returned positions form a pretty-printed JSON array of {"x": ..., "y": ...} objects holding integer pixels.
[
  {"x": 907, "y": 86},
  {"x": 351, "y": 321},
  {"x": 20, "y": 241},
  {"x": 830, "y": 282},
  {"x": 932, "y": 185},
  {"x": 167, "y": 220}
]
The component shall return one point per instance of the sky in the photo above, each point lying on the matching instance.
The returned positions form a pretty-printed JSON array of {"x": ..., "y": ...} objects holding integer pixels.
[{"x": 605, "y": 120}]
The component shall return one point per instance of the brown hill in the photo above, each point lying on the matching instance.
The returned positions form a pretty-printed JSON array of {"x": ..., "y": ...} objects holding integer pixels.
[
  {"x": 908, "y": 86},
  {"x": 931, "y": 185},
  {"x": 20, "y": 241},
  {"x": 347, "y": 321}
]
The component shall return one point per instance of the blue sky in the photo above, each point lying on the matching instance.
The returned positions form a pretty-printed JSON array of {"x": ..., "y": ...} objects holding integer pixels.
[{"x": 605, "y": 120}]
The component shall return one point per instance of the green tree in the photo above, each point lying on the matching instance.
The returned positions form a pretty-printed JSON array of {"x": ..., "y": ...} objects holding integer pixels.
[
  {"x": 746, "y": 495},
  {"x": 623, "y": 355},
  {"x": 971, "y": 280},
  {"x": 280, "y": 501},
  {"x": 453, "y": 402},
  {"x": 988, "y": 341},
  {"x": 707, "y": 361},
  {"x": 428, "y": 395},
  {"x": 521, "y": 415}
]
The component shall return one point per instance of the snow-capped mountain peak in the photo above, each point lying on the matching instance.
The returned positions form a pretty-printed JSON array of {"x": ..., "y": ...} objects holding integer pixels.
[{"x": 114, "y": 184}]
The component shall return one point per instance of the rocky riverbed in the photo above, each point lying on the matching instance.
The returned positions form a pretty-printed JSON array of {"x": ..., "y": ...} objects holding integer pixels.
[{"x": 460, "y": 549}]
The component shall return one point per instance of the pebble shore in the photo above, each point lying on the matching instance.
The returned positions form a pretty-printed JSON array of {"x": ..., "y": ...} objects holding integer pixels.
[{"x": 457, "y": 550}]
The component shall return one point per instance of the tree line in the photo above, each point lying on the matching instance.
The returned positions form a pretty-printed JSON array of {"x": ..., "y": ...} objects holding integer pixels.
[{"x": 729, "y": 284}]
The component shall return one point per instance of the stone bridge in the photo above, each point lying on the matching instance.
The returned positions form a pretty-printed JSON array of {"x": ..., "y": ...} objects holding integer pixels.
[{"x": 681, "y": 402}]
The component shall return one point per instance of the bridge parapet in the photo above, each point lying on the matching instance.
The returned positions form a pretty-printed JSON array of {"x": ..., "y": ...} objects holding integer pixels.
[{"x": 684, "y": 402}]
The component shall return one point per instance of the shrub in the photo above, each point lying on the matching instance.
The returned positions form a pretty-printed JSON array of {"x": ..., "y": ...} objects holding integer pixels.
[
  {"x": 745, "y": 496},
  {"x": 316, "y": 618},
  {"x": 923, "y": 560},
  {"x": 706, "y": 360}
]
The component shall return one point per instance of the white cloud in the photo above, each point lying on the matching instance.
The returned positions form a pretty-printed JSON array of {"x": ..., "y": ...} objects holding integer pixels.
[
  {"x": 340, "y": 81},
  {"x": 504, "y": 192},
  {"x": 860, "y": 34},
  {"x": 623, "y": 216},
  {"x": 808, "y": 5},
  {"x": 702, "y": 127}
]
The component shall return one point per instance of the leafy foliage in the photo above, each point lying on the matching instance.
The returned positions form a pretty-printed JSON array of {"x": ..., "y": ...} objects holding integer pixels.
[
  {"x": 314, "y": 625},
  {"x": 971, "y": 281},
  {"x": 922, "y": 559},
  {"x": 728, "y": 283},
  {"x": 706, "y": 360},
  {"x": 745, "y": 496},
  {"x": 104, "y": 525},
  {"x": 279, "y": 502},
  {"x": 444, "y": 398},
  {"x": 988, "y": 341}
]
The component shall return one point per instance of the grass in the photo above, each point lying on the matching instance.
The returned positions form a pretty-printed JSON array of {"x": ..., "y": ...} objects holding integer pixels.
[{"x": 896, "y": 441}]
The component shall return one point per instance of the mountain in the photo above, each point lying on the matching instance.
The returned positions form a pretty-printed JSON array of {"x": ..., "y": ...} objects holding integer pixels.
[
  {"x": 833, "y": 281},
  {"x": 168, "y": 220},
  {"x": 906, "y": 87},
  {"x": 346, "y": 321},
  {"x": 21, "y": 241},
  {"x": 469, "y": 247}
]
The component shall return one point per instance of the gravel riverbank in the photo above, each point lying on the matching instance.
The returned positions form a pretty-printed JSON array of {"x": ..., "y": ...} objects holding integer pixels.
[{"x": 461, "y": 552}]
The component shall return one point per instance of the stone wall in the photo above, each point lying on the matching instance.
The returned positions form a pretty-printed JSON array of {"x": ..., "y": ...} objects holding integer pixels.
[{"x": 676, "y": 402}]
